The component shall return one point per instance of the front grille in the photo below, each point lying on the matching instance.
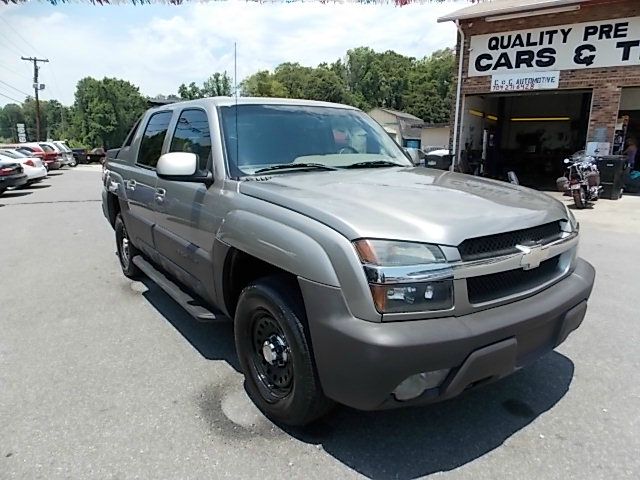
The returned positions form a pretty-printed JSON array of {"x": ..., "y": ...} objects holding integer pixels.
[
  {"x": 487, "y": 288},
  {"x": 505, "y": 243}
]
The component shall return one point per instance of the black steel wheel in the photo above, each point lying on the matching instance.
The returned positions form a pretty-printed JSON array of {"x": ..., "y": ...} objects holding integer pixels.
[
  {"x": 126, "y": 249},
  {"x": 275, "y": 353},
  {"x": 271, "y": 361}
]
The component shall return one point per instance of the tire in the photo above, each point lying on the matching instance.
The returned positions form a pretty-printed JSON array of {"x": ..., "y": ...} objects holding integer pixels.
[
  {"x": 126, "y": 250},
  {"x": 2, "y": 190},
  {"x": 579, "y": 198},
  {"x": 286, "y": 389},
  {"x": 73, "y": 163}
]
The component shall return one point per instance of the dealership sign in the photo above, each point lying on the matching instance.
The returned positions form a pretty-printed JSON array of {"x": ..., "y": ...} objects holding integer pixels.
[
  {"x": 515, "y": 82},
  {"x": 608, "y": 43}
]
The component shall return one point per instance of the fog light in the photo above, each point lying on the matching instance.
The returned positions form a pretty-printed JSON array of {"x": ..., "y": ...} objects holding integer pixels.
[{"x": 415, "y": 385}]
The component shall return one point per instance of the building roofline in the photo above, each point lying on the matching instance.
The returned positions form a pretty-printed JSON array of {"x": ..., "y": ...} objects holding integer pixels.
[{"x": 505, "y": 7}]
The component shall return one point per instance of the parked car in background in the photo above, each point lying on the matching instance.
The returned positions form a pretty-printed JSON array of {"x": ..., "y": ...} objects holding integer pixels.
[
  {"x": 440, "y": 159},
  {"x": 11, "y": 174},
  {"x": 80, "y": 154},
  {"x": 65, "y": 153},
  {"x": 72, "y": 162},
  {"x": 48, "y": 155},
  {"x": 33, "y": 166},
  {"x": 415, "y": 154},
  {"x": 432, "y": 148},
  {"x": 96, "y": 155}
]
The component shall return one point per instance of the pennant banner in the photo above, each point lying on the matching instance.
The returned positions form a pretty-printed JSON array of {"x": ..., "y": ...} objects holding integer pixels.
[{"x": 398, "y": 3}]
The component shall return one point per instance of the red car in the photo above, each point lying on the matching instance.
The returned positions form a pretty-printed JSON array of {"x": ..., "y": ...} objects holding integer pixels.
[{"x": 49, "y": 156}]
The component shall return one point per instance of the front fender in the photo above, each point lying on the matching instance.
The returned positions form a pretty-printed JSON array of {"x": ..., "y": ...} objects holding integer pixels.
[{"x": 278, "y": 244}]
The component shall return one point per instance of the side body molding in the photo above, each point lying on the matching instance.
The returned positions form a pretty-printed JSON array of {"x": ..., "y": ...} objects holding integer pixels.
[{"x": 278, "y": 244}]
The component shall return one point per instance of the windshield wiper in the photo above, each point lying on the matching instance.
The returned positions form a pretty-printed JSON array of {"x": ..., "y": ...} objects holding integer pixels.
[
  {"x": 375, "y": 164},
  {"x": 295, "y": 166}
]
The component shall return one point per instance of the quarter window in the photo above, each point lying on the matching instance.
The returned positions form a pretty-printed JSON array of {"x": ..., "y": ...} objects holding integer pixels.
[
  {"x": 151, "y": 144},
  {"x": 192, "y": 135}
]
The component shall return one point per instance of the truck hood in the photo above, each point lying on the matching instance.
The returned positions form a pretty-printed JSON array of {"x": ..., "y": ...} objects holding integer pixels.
[{"x": 414, "y": 204}]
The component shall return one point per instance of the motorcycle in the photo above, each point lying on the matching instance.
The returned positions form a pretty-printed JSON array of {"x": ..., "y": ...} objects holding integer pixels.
[{"x": 582, "y": 180}]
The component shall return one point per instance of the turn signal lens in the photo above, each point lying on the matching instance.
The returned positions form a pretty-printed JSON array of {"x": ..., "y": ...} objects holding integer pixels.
[{"x": 413, "y": 297}]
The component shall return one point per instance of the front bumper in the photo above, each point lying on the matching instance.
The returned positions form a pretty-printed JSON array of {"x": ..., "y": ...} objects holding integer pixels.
[{"x": 360, "y": 363}]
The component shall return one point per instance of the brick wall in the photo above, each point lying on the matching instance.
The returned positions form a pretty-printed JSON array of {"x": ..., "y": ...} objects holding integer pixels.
[{"x": 606, "y": 83}]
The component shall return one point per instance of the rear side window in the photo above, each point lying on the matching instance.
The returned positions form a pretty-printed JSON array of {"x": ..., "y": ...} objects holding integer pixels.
[
  {"x": 132, "y": 133},
  {"x": 46, "y": 148},
  {"x": 154, "y": 133},
  {"x": 192, "y": 135}
]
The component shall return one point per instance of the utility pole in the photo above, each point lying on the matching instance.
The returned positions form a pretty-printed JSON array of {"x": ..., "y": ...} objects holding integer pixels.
[{"x": 36, "y": 88}]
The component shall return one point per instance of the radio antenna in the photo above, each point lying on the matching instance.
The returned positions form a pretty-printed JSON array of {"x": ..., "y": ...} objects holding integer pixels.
[{"x": 235, "y": 89}]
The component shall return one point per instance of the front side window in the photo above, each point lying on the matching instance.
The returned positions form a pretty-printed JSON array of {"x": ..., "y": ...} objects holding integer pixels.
[
  {"x": 153, "y": 138},
  {"x": 192, "y": 135},
  {"x": 260, "y": 138}
]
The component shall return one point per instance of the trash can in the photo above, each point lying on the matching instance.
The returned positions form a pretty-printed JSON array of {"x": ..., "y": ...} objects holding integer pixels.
[{"x": 612, "y": 170}]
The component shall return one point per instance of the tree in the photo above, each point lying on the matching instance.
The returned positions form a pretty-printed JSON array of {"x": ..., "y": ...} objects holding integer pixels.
[
  {"x": 10, "y": 115},
  {"x": 105, "y": 110},
  {"x": 217, "y": 85},
  {"x": 263, "y": 84},
  {"x": 430, "y": 90}
]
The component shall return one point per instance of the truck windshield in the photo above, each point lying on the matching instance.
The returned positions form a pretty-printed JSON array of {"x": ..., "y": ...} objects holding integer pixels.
[{"x": 266, "y": 136}]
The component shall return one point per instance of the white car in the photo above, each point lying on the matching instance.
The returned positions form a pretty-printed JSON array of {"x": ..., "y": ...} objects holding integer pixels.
[
  {"x": 67, "y": 154},
  {"x": 33, "y": 167}
]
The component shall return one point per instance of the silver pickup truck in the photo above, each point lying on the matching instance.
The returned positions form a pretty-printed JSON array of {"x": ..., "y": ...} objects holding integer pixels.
[{"x": 351, "y": 276}]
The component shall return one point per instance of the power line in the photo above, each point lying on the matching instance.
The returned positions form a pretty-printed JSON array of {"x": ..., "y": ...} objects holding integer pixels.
[
  {"x": 11, "y": 42},
  {"x": 16, "y": 89},
  {"x": 15, "y": 72},
  {"x": 10, "y": 98},
  {"x": 18, "y": 34}
]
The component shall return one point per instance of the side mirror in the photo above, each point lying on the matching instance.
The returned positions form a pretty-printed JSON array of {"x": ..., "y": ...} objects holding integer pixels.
[
  {"x": 566, "y": 160},
  {"x": 182, "y": 167}
]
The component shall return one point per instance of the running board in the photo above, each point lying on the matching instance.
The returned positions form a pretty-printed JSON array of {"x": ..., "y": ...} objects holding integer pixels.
[{"x": 186, "y": 301}]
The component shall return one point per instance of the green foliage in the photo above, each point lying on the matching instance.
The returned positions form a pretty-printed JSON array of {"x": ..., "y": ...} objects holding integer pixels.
[
  {"x": 104, "y": 111},
  {"x": 367, "y": 79},
  {"x": 217, "y": 85},
  {"x": 9, "y": 116}
]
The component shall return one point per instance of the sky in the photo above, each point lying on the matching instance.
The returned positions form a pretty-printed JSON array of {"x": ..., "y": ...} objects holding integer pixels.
[{"x": 158, "y": 47}]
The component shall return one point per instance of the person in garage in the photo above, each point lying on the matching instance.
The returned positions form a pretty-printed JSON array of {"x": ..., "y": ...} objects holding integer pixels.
[{"x": 631, "y": 152}]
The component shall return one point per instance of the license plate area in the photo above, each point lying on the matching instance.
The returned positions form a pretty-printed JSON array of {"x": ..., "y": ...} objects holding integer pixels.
[{"x": 575, "y": 186}]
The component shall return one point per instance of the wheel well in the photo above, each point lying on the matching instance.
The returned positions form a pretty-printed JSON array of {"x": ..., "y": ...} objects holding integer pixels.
[
  {"x": 113, "y": 207},
  {"x": 240, "y": 269}
]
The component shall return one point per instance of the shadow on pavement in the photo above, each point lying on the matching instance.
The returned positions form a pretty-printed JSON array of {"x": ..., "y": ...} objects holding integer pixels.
[
  {"x": 214, "y": 341},
  {"x": 38, "y": 186},
  {"x": 404, "y": 443},
  {"x": 54, "y": 173},
  {"x": 15, "y": 193},
  {"x": 413, "y": 442}
]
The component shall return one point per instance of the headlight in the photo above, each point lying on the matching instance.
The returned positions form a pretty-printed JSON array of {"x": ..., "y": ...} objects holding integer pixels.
[
  {"x": 391, "y": 253},
  {"x": 406, "y": 276}
]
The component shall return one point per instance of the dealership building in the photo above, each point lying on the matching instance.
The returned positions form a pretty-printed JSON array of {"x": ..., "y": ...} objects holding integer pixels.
[{"x": 542, "y": 79}]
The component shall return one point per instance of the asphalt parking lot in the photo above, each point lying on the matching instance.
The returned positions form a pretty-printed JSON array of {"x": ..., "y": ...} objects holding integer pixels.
[{"x": 105, "y": 378}]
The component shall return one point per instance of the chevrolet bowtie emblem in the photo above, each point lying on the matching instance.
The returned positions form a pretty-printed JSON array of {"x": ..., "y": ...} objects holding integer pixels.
[{"x": 532, "y": 256}]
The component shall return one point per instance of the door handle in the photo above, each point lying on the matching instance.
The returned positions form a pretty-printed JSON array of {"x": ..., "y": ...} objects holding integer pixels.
[
  {"x": 130, "y": 185},
  {"x": 160, "y": 193}
]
